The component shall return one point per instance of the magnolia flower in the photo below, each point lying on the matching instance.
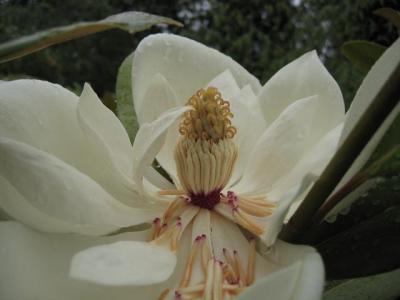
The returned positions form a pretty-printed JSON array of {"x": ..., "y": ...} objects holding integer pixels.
[{"x": 237, "y": 154}]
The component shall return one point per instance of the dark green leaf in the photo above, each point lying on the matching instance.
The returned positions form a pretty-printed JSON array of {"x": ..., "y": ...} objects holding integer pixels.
[
  {"x": 390, "y": 140},
  {"x": 384, "y": 162},
  {"x": 384, "y": 286},
  {"x": 362, "y": 54},
  {"x": 381, "y": 194},
  {"x": 129, "y": 21},
  {"x": 125, "y": 110},
  {"x": 367, "y": 248},
  {"x": 393, "y": 16}
]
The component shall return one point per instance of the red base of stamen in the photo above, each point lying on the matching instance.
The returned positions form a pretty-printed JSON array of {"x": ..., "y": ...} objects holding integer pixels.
[{"x": 207, "y": 201}]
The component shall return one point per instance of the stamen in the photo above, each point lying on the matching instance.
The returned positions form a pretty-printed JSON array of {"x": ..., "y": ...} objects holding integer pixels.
[
  {"x": 205, "y": 255},
  {"x": 190, "y": 263},
  {"x": 217, "y": 290},
  {"x": 156, "y": 228},
  {"x": 171, "y": 192},
  {"x": 245, "y": 221},
  {"x": 209, "y": 280},
  {"x": 238, "y": 267},
  {"x": 164, "y": 294},
  {"x": 204, "y": 168}
]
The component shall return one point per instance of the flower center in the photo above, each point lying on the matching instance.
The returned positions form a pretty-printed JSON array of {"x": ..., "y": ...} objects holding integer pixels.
[
  {"x": 205, "y": 154},
  {"x": 207, "y": 201}
]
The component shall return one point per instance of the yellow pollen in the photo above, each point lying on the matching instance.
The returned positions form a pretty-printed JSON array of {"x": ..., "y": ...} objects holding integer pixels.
[{"x": 210, "y": 118}]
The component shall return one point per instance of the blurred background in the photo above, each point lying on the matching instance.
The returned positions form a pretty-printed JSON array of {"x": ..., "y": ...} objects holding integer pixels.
[{"x": 262, "y": 35}]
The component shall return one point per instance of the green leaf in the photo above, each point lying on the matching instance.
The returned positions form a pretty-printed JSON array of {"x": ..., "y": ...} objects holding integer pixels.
[
  {"x": 125, "y": 110},
  {"x": 393, "y": 16},
  {"x": 384, "y": 162},
  {"x": 368, "y": 248},
  {"x": 129, "y": 21},
  {"x": 384, "y": 286},
  {"x": 362, "y": 54},
  {"x": 366, "y": 123}
]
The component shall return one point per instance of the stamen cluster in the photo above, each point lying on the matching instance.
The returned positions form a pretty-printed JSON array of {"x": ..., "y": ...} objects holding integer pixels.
[{"x": 210, "y": 118}]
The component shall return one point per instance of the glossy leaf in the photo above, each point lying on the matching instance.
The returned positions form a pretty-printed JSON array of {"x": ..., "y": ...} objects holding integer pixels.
[
  {"x": 384, "y": 286},
  {"x": 384, "y": 161},
  {"x": 362, "y": 54},
  {"x": 129, "y": 21},
  {"x": 125, "y": 110},
  {"x": 368, "y": 248},
  {"x": 382, "y": 194}
]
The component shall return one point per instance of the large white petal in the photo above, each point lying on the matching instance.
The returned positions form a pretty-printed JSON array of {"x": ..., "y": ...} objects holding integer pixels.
[
  {"x": 62, "y": 192},
  {"x": 299, "y": 275},
  {"x": 313, "y": 162},
  {"x": 303, "y": 77},
  {"x": 104, "y": 130},
  {"x": 124, "y": 263},
  {"x": 15, "y": 205},
  {"x": 148, "y": 142},
  {"x": 44, "y": 115},
  {"x": 159, "y": 97},
  {"x": 226, "y": 85},
  {"x": 36, "y": 266},
  {"x": 250, "y": 125},
  {"x": 283, "y": 144},
  {"x": 186, "y": 64}
]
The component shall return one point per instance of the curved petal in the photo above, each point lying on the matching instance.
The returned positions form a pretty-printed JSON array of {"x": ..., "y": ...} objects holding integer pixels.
[
  {"x": 44, "y": 115},
  {"x": 303, "y": 77},
  {"x": 15, "y": 205},
  {"x": 62, "y": 192},
  {"x": 148, "y": 142},
  {"x": 36, "y": 266},
  {"x": 250, "y": 125},
  {"x": 186, "y": 64},
  {"x": 159, "y": 97},
  {"x": 226, "y": 85},
  {"x": 313, "y": 162},
  {"x": 283, "y": 144},
  {"x": 104, "y": 130},
  {"x": 123, "y": 263},
  {"x": 300, "y": 275}
]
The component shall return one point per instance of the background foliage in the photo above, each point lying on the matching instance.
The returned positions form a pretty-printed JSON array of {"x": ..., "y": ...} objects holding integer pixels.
[{"x": 261, "y": 35}]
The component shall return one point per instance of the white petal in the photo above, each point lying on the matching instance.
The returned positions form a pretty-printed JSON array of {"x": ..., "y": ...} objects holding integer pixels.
[
  {"x": 283, "y": 144},
  {"x": 60, "y": 191},
  {"x": 148, "y": 142},
  {"x": 313, "y": 162},
  {"x": 187, "y": 65},
  {"x": 370, "y": 86},
  {"x": 304, "y": 77},
  {"x": 15, "y": 205},
  {"x": 226, "y": 85},
  {"x": 36, "y": 266},
  {"x": 44, "y": 115},
  {"x": 123, "y": 263},
  {"x": 158, "y": 98},
  {"x": 299, "y": 275},
  {"x": 104, "y": 130},
  {"x": 250, "y": 124}
]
